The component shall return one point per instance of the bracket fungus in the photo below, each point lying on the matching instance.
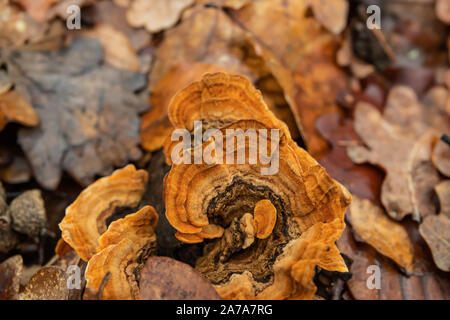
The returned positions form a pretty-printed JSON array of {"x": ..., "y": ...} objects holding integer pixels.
[
  {"x": 85, "y": 218},
  {"x": 298, "y": 210},
  {"x": 217, "y": 100},
  {"x": 123, "y": 247}
]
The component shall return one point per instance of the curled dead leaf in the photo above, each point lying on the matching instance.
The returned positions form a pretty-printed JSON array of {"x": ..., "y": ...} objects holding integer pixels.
[{"x": 388, "y": 237}]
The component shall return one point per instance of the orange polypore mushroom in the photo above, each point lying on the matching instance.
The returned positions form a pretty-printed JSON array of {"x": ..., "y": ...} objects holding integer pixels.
[
  {"x": 298, "y": 210},
  {"x": 85, "y": 218},
  {"x": 218, "y": 100},
  {"x": 123, "y": 247},
  {"x": 265, "y": 218}
]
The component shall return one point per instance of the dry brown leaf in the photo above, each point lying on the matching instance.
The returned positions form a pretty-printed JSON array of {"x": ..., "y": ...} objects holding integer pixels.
[
  {"x": 163, "y": 278},
  {"x": 119, "y": 51},
  {"x": 386, "y": 236},
  {"x": 10, "y": 274},
  {"x": 301, "y": 56},
  {"x": 331, "y": 14},
  {"x": 14, "y": 108},
  {"x": 400, "y": 142},
  {"x": 156, "y": 15}
]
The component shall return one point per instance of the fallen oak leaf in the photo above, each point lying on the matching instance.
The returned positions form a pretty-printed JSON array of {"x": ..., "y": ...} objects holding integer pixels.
[
  {"x": 88, "y": 111},
  {"x": 410, "y": 175},
  {"x": 163, "y": 278},
  {"x": 386, "y": 236}
]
